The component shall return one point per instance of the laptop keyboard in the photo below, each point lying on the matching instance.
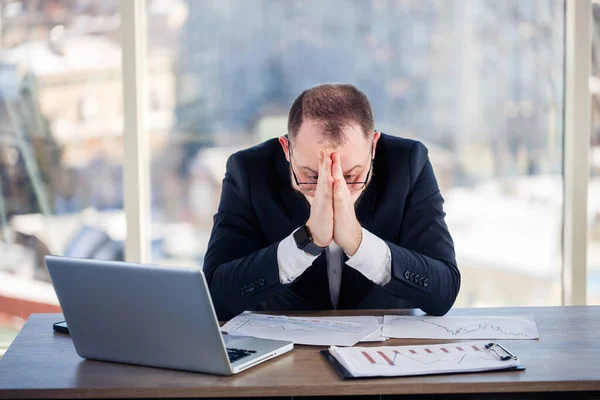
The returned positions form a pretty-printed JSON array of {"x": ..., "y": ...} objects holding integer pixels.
[{"x": 238, "y": 354}]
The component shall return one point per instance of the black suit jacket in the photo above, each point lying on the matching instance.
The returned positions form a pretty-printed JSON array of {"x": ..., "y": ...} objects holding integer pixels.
[{"x": 259, "y": 208}]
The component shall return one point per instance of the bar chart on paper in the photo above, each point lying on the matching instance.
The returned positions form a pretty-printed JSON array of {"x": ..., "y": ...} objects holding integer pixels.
[
  {"x": 311, "y": 331},
  {"x": 449, "y": 327},
  {"x": 420, "y": 360}
]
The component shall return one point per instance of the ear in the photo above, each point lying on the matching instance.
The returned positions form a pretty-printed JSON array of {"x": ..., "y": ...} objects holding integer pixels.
[
  {"x": 376, "y": 137},
  {"x": 285, "y": 145}
]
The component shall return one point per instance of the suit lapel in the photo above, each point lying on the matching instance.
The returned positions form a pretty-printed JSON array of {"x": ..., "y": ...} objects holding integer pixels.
[
  {"x": 297, "y": 208},
  {"x": 366, "y": 204}
]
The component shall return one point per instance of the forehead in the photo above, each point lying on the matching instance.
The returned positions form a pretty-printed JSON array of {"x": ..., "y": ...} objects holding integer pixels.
[{"x": 309, "y": 141}]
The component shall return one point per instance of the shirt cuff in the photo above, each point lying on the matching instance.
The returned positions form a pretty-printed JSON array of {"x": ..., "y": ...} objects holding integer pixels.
[
  {"x": 291, "y": 260},
  {"x": 373, "y": 259}
]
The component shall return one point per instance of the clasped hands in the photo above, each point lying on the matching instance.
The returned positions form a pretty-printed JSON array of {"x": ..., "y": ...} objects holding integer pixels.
[{"x": 332, "y": 215}]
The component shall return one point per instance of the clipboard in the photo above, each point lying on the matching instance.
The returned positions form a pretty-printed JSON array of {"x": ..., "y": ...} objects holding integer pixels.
[{"x": 502, "y": 353}]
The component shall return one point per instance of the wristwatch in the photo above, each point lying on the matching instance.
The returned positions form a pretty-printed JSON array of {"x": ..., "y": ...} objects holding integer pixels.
[{"x": 304, "y": 241}]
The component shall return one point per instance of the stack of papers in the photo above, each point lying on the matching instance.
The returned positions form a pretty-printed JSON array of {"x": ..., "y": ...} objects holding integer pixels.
[
  {"x": 336, "y": 331},
  {"x": 422, "y": 360},
  {"x": 347, "y": 331}
]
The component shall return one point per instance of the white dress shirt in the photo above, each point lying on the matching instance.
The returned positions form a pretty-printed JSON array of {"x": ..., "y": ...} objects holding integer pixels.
[{"x": 372, "y": 259}]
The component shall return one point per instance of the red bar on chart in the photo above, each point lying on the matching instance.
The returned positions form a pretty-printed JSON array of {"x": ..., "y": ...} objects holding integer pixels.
[
  {"x": 386, "y": 358},
  {"x": 368, "y": 357}
]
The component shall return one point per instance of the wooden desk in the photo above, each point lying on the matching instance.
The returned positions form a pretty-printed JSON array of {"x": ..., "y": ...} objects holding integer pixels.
[{"x": 43, "y": 364}]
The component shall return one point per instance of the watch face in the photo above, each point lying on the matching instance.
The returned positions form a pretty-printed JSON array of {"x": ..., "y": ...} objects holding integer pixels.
[
  {"x": 302, "y": 237},
  {"x": 304, "y": 241}
]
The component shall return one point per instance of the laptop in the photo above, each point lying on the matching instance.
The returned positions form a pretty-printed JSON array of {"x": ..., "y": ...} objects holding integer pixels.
[{"x": 150, "y": 315}]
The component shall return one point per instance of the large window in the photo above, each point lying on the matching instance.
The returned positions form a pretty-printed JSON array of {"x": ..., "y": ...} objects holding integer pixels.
[
  {"x": 479, "y": 82},
  {"x": 61, "y": 146}
]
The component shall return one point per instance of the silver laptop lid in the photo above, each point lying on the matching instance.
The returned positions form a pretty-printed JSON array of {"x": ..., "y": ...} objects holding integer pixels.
[{"x": 139, "y": 314}]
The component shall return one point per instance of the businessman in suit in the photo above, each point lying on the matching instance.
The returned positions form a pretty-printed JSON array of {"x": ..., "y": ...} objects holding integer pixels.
[{"x": 334, "y": 215}]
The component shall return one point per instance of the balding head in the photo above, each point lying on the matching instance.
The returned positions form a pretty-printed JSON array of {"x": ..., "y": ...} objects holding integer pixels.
[{"x": 333, "y": 107}]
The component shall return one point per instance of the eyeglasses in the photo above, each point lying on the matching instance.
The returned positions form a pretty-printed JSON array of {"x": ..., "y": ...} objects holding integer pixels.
[{"x": 312, "y": 186}]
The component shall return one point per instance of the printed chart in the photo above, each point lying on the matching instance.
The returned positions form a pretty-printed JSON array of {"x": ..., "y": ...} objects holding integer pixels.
[
  {"x": 513, "y": 327},
  {"x": 420, "y": 360},
  {"x": 376, "y": 322},
  {"x": 449, "y": 354},
  {"x": 311, "y": 331}
]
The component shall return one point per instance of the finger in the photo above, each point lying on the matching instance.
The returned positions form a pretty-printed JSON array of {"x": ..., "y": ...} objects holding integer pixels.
[
  {"x": 325, "y": 174},
  {"x": 328, "y": 190},
  {"x": 338, "y": 192},
  {"x": 323, "y": 160},
  {"x": 342, "y": 193},
  {"x": 320, "y": 183},
  {"x": 337, "y": 167}
]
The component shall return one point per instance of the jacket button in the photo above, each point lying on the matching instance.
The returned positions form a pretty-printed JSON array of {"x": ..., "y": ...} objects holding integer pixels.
[
  {"x": 412, "y": 277},
  {"x": 426, "y": 282},
  {"x": 261, "y": 282},
  {"x": 417, "y": 277},
  {"x": 407, "y": 274},
  {"x": 421, "y": 280}
]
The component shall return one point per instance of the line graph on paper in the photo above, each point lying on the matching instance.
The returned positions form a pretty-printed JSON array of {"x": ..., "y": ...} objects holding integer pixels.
[
  {"x": 290, "y": 325},
  {"x": 312, "y": 331},
  {"x": 451, "y": 327}
]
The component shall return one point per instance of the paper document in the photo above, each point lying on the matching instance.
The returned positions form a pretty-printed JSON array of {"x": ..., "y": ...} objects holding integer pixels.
[
  {"x": 421, "y": 360},
  {"x": 376, "y": 322},
  {"x": 449, "y": 327},
  {"x": 311, "y": 331}
]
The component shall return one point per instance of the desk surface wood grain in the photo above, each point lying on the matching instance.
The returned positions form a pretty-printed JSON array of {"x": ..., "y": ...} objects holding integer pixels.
[{"x": 43, "y": 364}]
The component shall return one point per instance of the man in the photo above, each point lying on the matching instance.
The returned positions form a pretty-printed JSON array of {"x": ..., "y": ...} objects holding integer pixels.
[{"x": 334, "y": 215}]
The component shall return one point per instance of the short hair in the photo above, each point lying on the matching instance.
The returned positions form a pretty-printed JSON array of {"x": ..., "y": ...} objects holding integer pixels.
[{"x": 333, "y": 106}]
